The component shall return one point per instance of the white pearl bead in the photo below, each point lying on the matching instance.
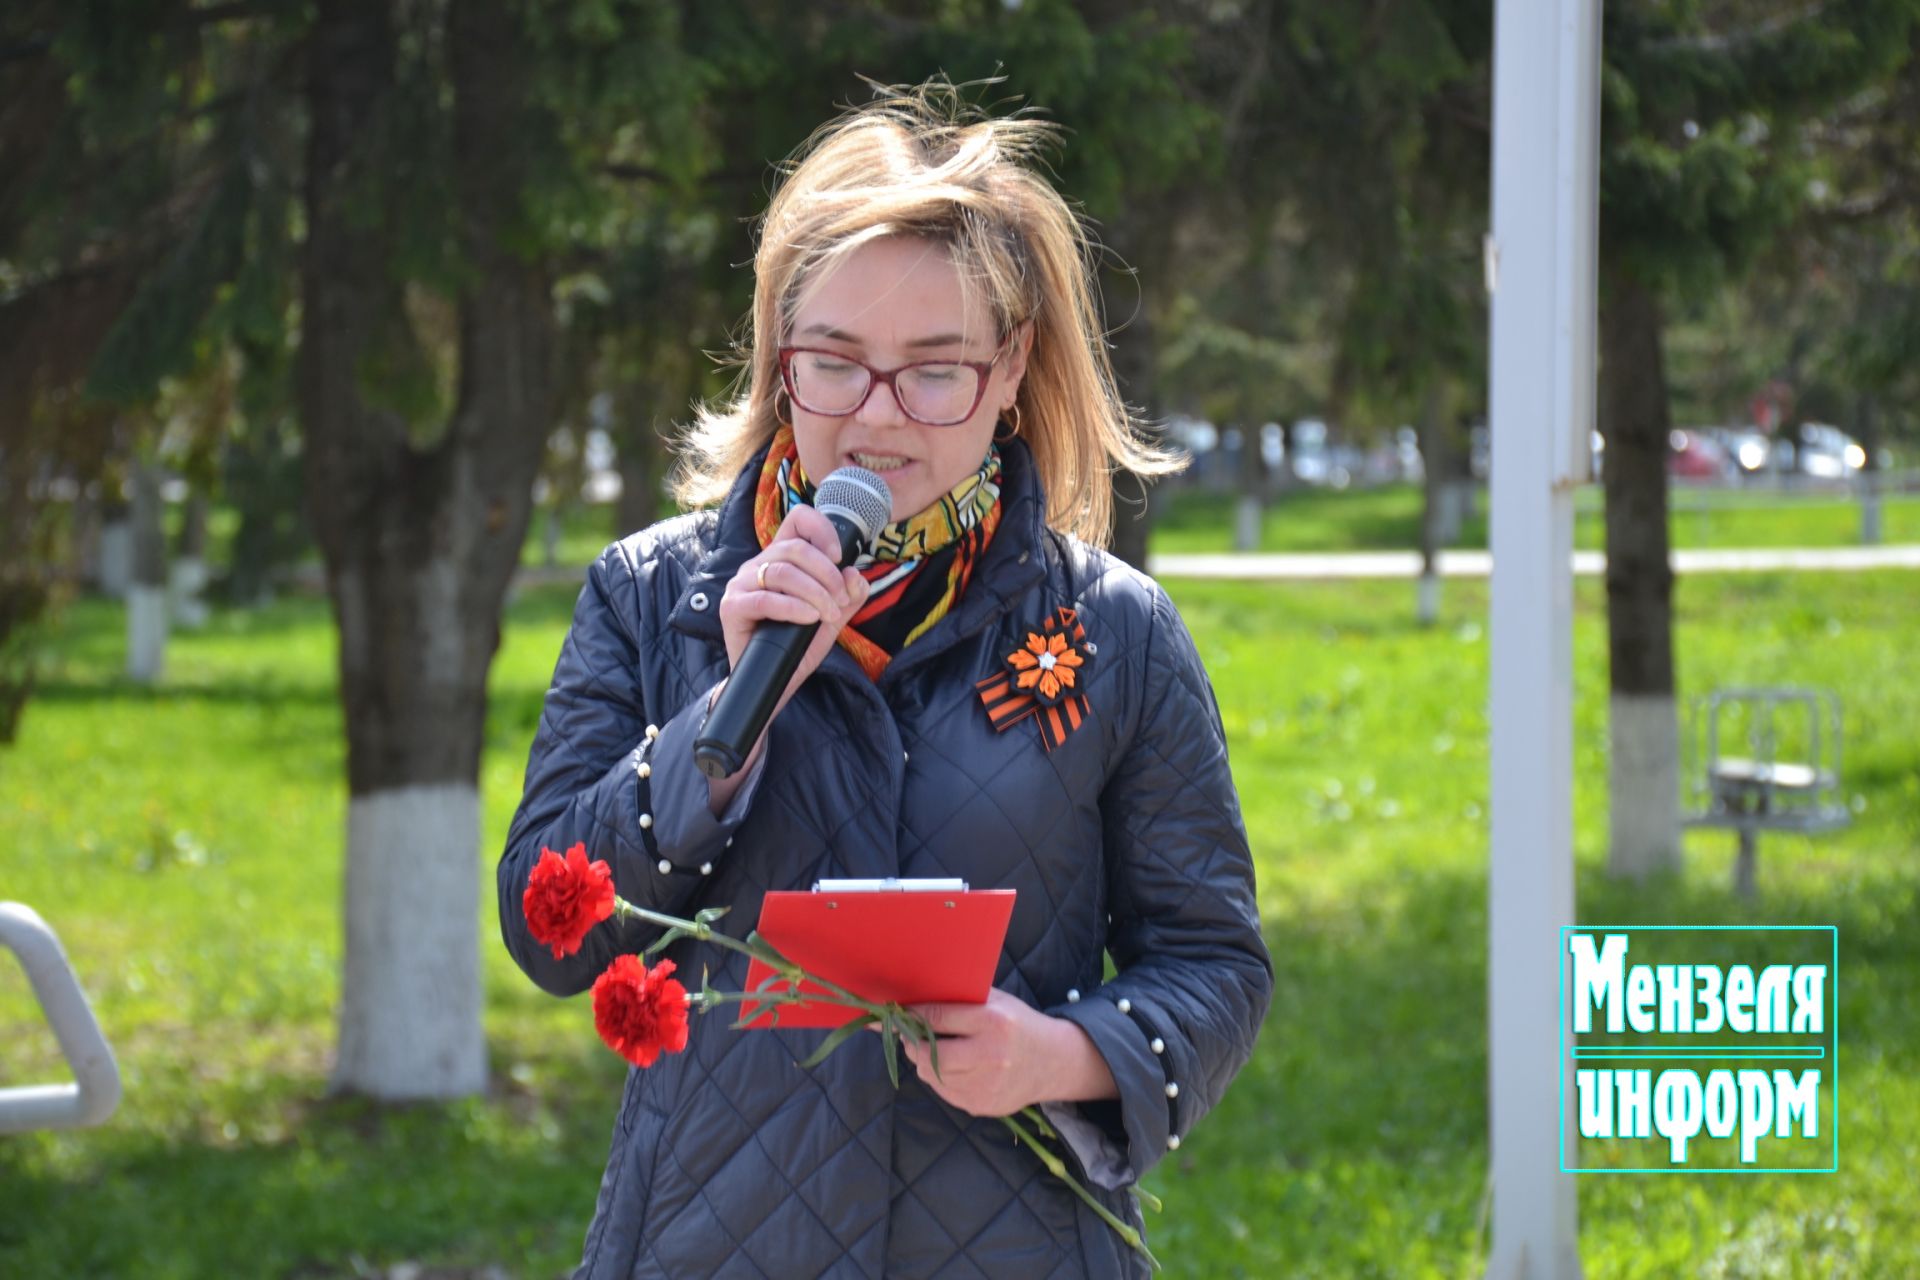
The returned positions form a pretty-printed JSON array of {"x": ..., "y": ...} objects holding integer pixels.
[
  {"x": 1173, "y": 1142},
  {"x": 1158, "y": 1045},
  {"x": 664, "y": 866},
  {"x": 646, "y": 820},
  {"x": 1126, "y": 1005},
  {"x": 653, "y": 731},
  {"x": 1173, "y": 1090},
  {"x": 1073, "y": 996},
  {"x": 706, "y": 868},
  {"x": 646, "y": 770}
]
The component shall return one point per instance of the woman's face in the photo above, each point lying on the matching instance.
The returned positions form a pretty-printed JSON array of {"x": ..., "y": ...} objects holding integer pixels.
[{"x": 893, "y": 302}]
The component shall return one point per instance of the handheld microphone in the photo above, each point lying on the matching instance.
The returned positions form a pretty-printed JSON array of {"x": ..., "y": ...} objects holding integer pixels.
[{"x": 857, "y": 503}]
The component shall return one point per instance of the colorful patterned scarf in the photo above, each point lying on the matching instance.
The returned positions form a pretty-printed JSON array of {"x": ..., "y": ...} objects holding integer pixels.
[{"x": 918, "y": 566}]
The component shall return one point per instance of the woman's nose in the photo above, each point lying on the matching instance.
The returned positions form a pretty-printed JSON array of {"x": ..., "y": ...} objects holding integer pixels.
[{"x": 882, "y": 405}]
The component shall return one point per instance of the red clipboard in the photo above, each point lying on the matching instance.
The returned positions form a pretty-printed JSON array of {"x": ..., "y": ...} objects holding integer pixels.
[{"x": 904, "y": 945}]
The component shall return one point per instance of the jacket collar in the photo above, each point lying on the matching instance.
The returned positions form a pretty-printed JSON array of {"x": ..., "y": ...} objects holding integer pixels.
[{"x": 1014, "y": 562}]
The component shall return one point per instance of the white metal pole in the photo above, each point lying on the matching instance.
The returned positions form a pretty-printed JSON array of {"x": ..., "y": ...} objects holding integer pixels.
[
  {"x": 1541, "y": 268},
  {"x": 95, "y": 1090}
]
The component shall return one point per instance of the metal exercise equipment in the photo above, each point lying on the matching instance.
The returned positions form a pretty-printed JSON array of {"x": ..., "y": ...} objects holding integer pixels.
[
  {"x": 95, "y": 1092},
  {"x": 1765, "y": 760}
]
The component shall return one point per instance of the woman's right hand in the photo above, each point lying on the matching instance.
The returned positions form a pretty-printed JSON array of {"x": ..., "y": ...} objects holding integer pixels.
[{"x": 796, "y": 578}]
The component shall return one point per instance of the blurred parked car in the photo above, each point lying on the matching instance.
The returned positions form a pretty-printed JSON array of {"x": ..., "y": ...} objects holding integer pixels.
[
  {"x": 1824, "y": 452},
  {"x": 1316, "y": 458},
  {"x": 1750, "y": 449},
  {"x": 1696, "y": 455}
]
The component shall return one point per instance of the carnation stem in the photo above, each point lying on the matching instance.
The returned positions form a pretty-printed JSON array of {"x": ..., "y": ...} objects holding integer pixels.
[
  {"x": 1058, "y": 1168},
  {"x": 757, "y": 948},
  {"x": 831, "y": 993}
]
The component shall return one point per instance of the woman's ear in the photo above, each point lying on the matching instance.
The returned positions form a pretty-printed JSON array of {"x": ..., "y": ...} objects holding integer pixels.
[{"x": 1020, "y": 347}]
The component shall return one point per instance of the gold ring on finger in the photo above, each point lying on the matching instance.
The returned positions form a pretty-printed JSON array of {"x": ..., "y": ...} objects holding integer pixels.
[{"x": 762, "y": 575}]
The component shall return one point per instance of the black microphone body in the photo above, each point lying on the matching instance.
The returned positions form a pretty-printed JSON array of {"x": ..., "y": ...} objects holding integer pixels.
[{"x": 857, "y": 504}]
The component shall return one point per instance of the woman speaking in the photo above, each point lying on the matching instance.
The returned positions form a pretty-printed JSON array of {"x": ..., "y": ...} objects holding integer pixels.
[{"x": 923, "y": 309}]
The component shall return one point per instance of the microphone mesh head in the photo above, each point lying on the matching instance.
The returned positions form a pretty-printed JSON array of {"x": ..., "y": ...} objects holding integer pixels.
[{"x": 858, "y": 494}]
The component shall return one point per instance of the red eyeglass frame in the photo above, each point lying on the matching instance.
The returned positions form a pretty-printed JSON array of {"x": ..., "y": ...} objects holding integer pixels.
[{"x": 875, "y": 377}]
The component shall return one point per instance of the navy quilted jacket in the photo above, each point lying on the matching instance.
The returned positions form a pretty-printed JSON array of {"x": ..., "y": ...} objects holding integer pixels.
[{"x": 729, "y": 1159}]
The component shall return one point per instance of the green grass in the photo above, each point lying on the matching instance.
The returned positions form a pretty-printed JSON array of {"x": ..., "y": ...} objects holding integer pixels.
[
  {"x": 1323, "y": 520},
  {"x": 1388, "y": 519},
  {"x": 187, "y": 845}
]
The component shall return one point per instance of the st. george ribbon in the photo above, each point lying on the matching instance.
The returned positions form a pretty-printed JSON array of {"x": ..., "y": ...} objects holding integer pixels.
[{"x": 857, "y": 503}]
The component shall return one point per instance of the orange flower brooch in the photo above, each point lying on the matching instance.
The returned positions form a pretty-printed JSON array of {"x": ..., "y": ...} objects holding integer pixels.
[{"x": 1043, "y": 678}]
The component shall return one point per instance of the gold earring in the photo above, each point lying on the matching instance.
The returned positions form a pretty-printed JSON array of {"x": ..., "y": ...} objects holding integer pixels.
[
  {"x": 1013, "y": 430},
  {"x": 784, "y": 419}
]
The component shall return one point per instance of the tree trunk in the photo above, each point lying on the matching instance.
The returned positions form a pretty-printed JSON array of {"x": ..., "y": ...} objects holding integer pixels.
[
  {"x": 147, "y": 588},
  {"x": 1869, "y": 478},
  {"x": 419, "y": 541},
  {"x": 640, "y": 413},
  {"x": 1143, "y": 236},
  {"x": 1644, "y": 778},
  {"x": 1250, "y": 507},
  {"x": 1289, "y": 478},
  {"x": 113, "y": 551},
  {"x": 1135, "y": 352},
  {"x": 1434, "y": 481},
  {"x": 187, "y": 584}
]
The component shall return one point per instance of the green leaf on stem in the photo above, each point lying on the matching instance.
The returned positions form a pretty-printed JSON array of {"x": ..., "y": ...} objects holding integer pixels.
[
  {"x": 664, "y": 941},
  {"x": 889, "y": 1033},
  {"x": 1039, "y": 1120},
  {"x": 752, "y": 1010},
  {"x": 838, "y": 1037},
  {"x": 915, "y": 1028}
]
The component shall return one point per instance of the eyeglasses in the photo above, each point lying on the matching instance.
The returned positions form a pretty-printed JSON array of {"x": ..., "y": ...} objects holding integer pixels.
[{"x": 935, "y": 393}]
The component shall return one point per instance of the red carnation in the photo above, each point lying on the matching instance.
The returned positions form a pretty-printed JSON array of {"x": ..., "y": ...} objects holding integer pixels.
[
  {"x": 641, "y": 1013},
  {"x": 565, "y": 898}
]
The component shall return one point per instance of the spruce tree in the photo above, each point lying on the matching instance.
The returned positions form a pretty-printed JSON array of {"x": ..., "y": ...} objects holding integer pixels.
[{"x": 1704, "y": 161}]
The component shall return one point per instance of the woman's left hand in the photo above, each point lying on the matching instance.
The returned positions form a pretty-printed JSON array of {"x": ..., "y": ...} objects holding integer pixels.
[{"x": 998, "y": 1057}]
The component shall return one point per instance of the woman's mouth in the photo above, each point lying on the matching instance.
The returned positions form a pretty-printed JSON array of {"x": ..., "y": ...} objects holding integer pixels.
[{"x": 880, "y": 463}]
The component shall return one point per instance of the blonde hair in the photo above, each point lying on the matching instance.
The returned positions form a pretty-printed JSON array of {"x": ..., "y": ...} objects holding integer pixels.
[{"x": 919, "y": 163}]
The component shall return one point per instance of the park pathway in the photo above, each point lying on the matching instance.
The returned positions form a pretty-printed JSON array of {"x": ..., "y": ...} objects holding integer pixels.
[
  {"x": 1260, "y": 566},
  {"x": 1264, "y": 567}
]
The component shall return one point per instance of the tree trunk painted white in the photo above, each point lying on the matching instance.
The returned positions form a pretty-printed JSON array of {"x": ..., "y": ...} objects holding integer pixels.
[
  {"x": 186, "y": 589},
  {"x": 147, "y": 592},
  {"x": 1643, "y": 766},
  {"x": 146, "y": 633},
  {"x": 1454, "y": 497},
  {"x": 187, "y": 580},
  {"x": 1869, "y": 511},
  {"x": 420, "y": 537},
  {"x": 410, "y": 995},
  {"x": 1644, "y": 779},
  {"x": 1433, "y": 484},
  {"x": 1868, "y": 420},
  {"x": 113, "y": 563},
  {"x": 1247, "y": 513},
  {"x": 1468, "y": 494}
]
